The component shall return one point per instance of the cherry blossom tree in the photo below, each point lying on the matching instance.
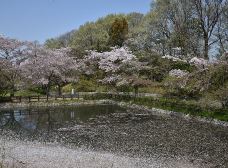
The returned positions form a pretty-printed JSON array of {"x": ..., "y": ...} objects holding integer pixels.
[
  {"x": 46, "y": 67},
  {"x": 120, "y": 66},
  {"x": 12, "y": 53},
  {"x": 199, "y": 62}
]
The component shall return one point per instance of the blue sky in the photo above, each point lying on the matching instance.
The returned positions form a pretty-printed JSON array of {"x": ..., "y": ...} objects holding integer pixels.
[{"x": 42, "y": 19}]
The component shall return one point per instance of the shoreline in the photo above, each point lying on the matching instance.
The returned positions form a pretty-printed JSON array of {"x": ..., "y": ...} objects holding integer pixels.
[
  {"x": 167, "y": 113},
  {"x": 153, "y": 111},
  {"x": 7, "y": 106}
]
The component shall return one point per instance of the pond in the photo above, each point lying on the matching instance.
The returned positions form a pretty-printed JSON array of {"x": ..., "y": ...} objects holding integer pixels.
[{"x": 110, "y": 130}]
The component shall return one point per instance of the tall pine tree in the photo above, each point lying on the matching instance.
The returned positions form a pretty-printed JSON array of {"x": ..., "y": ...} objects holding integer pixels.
[{"x": 118, "y": 32}]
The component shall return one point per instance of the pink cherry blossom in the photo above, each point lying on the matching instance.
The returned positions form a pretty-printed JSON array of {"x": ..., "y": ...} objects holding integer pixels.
[
  {"x": 199, "y": 62},
  {"x": 173, "y": 58},
  {"x": 121, "y": 67},
  {"x": 178, "y": 73},
  {"x": 46, "y": 67}
]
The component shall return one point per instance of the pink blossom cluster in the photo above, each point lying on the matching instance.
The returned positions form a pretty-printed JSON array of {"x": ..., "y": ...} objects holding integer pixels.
[
  {"x": 118, "y": 64},
  {"x": 44, "y": 66},
  {"x": 178, "y": 73},
  {"x": 199, "y": 62},
  {"x": 173, "y": 58}
]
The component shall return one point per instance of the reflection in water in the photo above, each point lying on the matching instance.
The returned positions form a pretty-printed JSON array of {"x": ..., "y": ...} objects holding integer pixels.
[
  {"x": 72, "y": 115},
  {"x": 50, "y": 118}
]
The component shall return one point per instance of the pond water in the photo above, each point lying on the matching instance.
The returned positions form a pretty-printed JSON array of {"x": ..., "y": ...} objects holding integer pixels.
[
  {"x": 36, "y": 119},
  {"x": 118, "y": 132}
]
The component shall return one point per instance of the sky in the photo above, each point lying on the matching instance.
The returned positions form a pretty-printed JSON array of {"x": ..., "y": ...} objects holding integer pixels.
[{"x": 42, "y": 19}]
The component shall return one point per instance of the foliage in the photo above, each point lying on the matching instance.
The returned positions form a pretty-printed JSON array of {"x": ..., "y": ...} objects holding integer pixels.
[
  {"x": 177, "y": 87},
  {"x": 182, "y": 66},
  {"x": 118, "y": 32},
  {"x": 28, "y": 92},
  {"x": 157, "y": 68},
  {"x": 218, "y": 76},
  {"x": 54, "y": 44},
  {"x": 222, "y": 94},
  {"x": 4, "y": 86},
  {"x": 85, "y": 86},
  {"x": 94, "y": 35},
  {"x": 195, "y": 27},
  {"x": 198, "y": 82},
  {"x": 67, "y": 88}
]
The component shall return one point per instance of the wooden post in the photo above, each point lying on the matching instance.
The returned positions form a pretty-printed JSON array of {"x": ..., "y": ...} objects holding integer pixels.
[
  {"x": 63, "y": 97},
  {"x": 55, "y": 97},
  {"x": 47, "y": 97},
  {"x": 38, "y": 98},
  {"x": 20, "y": 99},
  {"x": 29, "y": 99},
  {"x": 71, "y": 97}
]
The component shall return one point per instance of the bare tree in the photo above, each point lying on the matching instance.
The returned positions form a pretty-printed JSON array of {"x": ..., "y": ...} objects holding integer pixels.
[{"x": 208, "y": 13}]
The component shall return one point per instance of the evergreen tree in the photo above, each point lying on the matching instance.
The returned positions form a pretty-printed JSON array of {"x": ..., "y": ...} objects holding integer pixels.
[{"x": 118, "y": 32}]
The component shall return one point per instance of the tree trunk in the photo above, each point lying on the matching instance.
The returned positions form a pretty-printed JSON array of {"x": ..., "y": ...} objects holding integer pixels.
[
  {"x": 206, "y": 46},
  {"x": 136, "y": 91},
  {"x": 222, "y": 48},
  {"x": 47, "y": 89},
  {"x": 12, "y": 91},
  {"x": 59, "y": 90}
]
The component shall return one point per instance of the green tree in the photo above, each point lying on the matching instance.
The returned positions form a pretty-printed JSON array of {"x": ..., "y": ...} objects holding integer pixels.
[
  {"x": 54, "y": 43},
  {"x": 118, "y": 32}
]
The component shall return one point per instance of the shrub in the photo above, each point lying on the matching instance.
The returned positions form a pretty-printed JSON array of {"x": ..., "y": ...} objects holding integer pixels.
[
  {"x": 85, "y": 86},
  {"x": 67, "y": 88},
  {"x": 218, "y": 76},
  {"x": 182, "y": 66},
  {"x": 223, "y": 96},
  {"x": 180, "y": 87}
]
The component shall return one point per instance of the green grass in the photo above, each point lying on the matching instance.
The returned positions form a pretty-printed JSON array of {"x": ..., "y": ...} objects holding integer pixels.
[{"x": 153, "y": 89}]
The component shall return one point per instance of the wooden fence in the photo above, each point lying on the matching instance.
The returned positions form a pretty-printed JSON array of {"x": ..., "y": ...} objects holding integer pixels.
[
  {"x": 19, "y": 99},
  {"x": 83, "y": 95}
]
